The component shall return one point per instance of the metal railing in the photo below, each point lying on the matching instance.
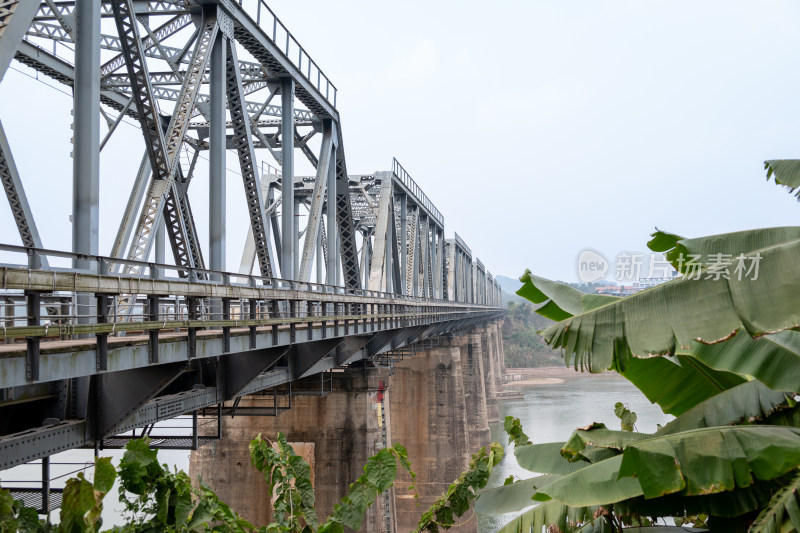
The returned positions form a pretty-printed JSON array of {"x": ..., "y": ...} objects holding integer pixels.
[
  {"x": 415, "y": 189},
  {"x": 463, "y": 245},
  {"x": 280, "y": 35}
]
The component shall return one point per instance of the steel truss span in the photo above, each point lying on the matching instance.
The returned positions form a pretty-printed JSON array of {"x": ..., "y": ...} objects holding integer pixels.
[{"x": 337, "y": 269}]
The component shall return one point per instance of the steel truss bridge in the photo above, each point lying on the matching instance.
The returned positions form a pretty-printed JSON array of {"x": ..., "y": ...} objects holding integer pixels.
[{"x": 124, "y": 340}]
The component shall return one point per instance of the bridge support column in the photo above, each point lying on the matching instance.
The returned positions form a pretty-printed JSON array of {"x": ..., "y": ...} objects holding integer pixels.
[
  {"x": 475, "y": 391},
  {"x": 490, "y": 372},
  {"x": 335, "y": 433},
  {"x": 429, "y": 417}
]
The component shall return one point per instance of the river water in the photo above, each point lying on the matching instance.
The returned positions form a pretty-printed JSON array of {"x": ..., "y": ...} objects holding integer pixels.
[{"x": 550, "y": 412}]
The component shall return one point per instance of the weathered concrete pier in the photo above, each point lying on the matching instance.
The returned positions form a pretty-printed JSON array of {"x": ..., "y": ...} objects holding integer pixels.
[{"x": 437, "y": 402}]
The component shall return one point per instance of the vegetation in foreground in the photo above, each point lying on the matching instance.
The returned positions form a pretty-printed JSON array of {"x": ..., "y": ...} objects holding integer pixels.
[
  {"x": 717, "y": 349},
  {"x": 157, "y": 500}
]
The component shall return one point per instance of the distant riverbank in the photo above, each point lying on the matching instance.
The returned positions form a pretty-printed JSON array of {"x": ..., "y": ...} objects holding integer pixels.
[{"x": 550, "y": 375}]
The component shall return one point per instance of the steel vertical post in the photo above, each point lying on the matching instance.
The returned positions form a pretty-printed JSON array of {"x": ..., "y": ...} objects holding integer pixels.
[
  {"x": 159, "y": 244},
  {"x": 216, "y": 156},
  {"x": 331, "y": 227},
  {"x": 86, "y": 134},
  {"x": 86, "y": 144},
  {"x": 403, "y": 242},
  {"x": 288, "y": 233}
]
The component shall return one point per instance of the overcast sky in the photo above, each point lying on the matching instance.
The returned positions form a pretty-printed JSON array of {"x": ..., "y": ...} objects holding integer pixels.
[{"x": 537, "y": 128}]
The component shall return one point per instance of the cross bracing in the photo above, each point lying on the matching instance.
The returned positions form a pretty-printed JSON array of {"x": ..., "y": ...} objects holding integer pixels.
[{"x": 336, "y": 269}]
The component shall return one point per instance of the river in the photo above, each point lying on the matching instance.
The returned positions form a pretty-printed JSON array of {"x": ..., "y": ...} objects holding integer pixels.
[{"x": 550, "y": 412}]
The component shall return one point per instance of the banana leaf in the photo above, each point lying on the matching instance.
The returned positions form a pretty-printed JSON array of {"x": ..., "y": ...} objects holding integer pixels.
[
  {"x": 679, "y": 250},
  {"x": 711, "y": 460},
  {"x": 543, "y": 515},
  {"x": 786, "y": 172},
  {"x": 511, "y": 498},
  {"x": 599, "y": 437},
  {"x": 662, "y": 319},
  {"x": 547, "y": 459},
  {"x": 674, "y": 387},
  {"x": 697, "y": 462},
  {"x": 746, "y": 403},
  {"x": 564, "y": 301},
  {"x": 676, "y": 384},
  {"x": 772, "y": 359},
  {"x": 782, "y": 513}
]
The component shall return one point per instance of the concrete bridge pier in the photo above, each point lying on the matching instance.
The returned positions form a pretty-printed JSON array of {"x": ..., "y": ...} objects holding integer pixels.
[
  {"x": 491, "y": 375},
  {"x": 336, "y": 433},
  {"x": 437, "y": 402},
  {"x": 475, "y": 399},
  {"x": 496, "y": 345}
]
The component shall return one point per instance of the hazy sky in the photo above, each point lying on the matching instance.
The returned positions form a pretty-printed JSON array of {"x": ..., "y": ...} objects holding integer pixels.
[{"x": 537, "y": 128}]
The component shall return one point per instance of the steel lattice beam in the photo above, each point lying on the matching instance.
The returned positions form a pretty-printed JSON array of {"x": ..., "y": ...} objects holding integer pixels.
[
  {"x": 15, "y": 18},
  {"x": 20, "y": 209},
  {"x": 240, "y": 120}
]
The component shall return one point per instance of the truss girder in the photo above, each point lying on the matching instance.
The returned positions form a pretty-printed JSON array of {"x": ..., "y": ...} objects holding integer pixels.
[
  {"x": 344, "y": 220},
  {"x": 20, "y": 209},
  {"x": 243, "y": 139},
  {"x": 15, "y": 18},
  {"x": 164, "y": 31},
  {"x": 424, "y": 243},
  {"x": 163, "y": 150},
  {"x": 161, "y": 7},
  {"x": 382, "y": 245},
  {"x": 411, "y": 253},
  {"x": 317, "y": 201}
]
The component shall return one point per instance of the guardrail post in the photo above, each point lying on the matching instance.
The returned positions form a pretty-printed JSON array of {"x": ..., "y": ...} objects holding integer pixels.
[
  {"x": 152, "y": 316},
  {"x": 253, "y": 316},
  {"x": 191, "y": 349},
  {"x": 310, "y": 315},
  {"x": 274, "y": 312},
  {"x": 101, "y": 349},
  {"x": 34, "y": 260},
  {"x": 46, "y": 485},
  {"x": 292, "y": 325},
  {"x": 226, "y": 330},
  {"x": 335, "y": 308},
  {"x": 33, "y": 300}
]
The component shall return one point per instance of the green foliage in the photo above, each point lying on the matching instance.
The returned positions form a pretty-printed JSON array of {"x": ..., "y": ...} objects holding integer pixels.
[
  {"x": 626, "y": 416},
  {"x": 16, "y": 517},
  {"x": 159, "y": 500},
  {"x": 783, "y": 511},
  {"x": 379, "y": 474},
  {"x": 289, "y": 479},
  {"x": 522, "y": 344},
  {"x": 455, "y": 501},
  {"x": 693, "y": 346},
  {"x": 513, "y": 427}
]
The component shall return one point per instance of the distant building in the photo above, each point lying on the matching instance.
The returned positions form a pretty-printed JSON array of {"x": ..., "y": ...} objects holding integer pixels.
[{"x": 637, "y": 286}]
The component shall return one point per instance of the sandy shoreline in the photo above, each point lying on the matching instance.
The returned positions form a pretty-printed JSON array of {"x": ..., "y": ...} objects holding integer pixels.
[{"x": 551, "y": 375}]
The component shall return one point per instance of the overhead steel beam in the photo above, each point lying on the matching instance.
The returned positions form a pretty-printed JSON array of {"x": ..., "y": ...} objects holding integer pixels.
[{"x": 15, "y": 18}]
